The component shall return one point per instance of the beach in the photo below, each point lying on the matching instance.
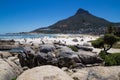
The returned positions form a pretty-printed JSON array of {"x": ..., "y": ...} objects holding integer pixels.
[
  {"x": 67, "y": 55},
  {"x": 60, "y": 38}
]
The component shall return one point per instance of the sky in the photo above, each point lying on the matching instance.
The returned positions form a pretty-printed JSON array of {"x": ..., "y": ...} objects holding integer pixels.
[{"x": 27, "y": 15}]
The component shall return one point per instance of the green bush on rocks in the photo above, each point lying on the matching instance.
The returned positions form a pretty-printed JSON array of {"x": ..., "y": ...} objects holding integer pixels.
[
  {"x": 14, "y": 79},
  {"x": 110, "y": 59},
  {"x": 74, "y": 48}
]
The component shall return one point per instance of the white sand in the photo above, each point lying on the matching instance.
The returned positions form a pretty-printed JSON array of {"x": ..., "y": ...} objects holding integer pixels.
[{"x": 64, "y": 39}]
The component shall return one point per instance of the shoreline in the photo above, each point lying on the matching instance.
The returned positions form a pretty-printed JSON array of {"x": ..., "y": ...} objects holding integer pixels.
[
  {"x": 63, "y": 39},
  {"x": 20, "y": 36}
]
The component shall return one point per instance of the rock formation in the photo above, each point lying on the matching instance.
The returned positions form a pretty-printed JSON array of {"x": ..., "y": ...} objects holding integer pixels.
[{"x": 44, "y": 73}]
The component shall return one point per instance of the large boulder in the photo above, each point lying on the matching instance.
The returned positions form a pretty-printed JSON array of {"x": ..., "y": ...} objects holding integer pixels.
[
  {"x": 28, "y": 49},
  {"x": 61, "y": 57},
  {"x": 47, "y": 48},
  {"x": 32, "y": 59},
  {"x": 45, "y": 58},
  {"x": 98, "y": 73},
  {"x": 44, "y": 73},
  {"x": 67, "y": 58},
  {"x": 22, "y": 59},
  {"x": 8, "y": 70},
  {"x": 89, "y": 57},
  {"x": 26, "y": 57},
  {"x": 27, "y": 60}
]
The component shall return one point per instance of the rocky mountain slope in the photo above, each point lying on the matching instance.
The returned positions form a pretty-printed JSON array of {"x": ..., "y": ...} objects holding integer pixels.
[{"x": 81, "y": 22}]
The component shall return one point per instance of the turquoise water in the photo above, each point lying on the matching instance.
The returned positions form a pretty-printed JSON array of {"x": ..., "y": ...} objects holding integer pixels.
[{"x": 20, "y": 36}]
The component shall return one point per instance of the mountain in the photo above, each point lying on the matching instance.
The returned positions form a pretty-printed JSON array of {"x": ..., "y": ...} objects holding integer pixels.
[{"x": 81, "y": 22}]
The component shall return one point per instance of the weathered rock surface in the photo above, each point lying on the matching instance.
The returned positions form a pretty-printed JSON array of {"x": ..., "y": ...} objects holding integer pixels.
[
  {"x": 47, "y": 48},
  {"x": 85, "y": 48},
  {"x": 75, "y": 40},
  {"x": 89, "y": 57},
  {"x": 5, "y": 54},
  {"x": 44, "y": 58},
  {"x": 64, "y": 48},
  {"x": 98, "y": 73},
  {"x": 7, "y": 42},
  {"x": 26, "y": 57},
  {"x": 61, "y": 56},
  {"x": 15, "y": 60},
  {"x": 8, "y": 70},
  {"x": 67, "y": 59},
  {"x": 44, "y": 73}
]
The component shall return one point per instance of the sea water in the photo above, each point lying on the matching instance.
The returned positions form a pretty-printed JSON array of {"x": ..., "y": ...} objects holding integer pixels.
[{"x": 21, "y": 36}]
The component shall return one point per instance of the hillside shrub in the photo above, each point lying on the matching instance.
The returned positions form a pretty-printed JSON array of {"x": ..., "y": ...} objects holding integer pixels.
[{"x": 110, "y": 59}]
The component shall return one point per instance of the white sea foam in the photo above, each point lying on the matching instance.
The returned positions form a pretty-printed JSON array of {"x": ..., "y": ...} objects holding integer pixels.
[{"x": 63, "y": 39}]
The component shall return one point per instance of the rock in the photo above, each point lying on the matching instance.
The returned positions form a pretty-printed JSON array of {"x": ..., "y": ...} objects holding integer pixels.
[
  {"x": 75, "y": 40},
  {"x": 8, "y": 70},
  {"x": 22, "y": 59},
  {"x": 4, "y": 42},
  {"x": 64, "y": 68},
  {"x": 47, "y": 48},
  {"x": 61, "y": 57},
  {"x": 12, "y": 58},
  {"x": 44, "y": 58},
  {"x": 89, "y": 58},
  {"x": 15, "y": 60},
  {"x": 31, "y": 59},
  {"x": 25, "y": 68},
  {"x": 86, "y": 44},
  {"x": 63, "y": 48},
  {"x": 26, "y": 57},
  {"x": 80, "y": 75},
  {"x": 44, "y": 73},
  {"x": 15, "y": 51},
  {"x": 84, "y": 48},
  {"x": 98, "y": 73},
  {"x": 28, "y": 49},
  {"x": 7, "y": 42},
  {"x": 5, "y": 54},
  {"x": 77, "y": 66},
  {"x": 6, "y": 47},
  {"x": 67, "y": 59}
]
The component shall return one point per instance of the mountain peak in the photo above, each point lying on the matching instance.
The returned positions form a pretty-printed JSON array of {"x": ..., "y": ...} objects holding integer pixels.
[
  {"x": 82, "y": 22},
  {"x": 82, "y": 11}
]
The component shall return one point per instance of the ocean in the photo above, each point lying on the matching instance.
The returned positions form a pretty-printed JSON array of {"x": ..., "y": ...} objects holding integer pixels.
[{"x": 20, "y": 36}]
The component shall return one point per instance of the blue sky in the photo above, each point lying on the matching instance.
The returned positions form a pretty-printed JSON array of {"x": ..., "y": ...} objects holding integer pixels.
[{"x": 27, "y": 15}]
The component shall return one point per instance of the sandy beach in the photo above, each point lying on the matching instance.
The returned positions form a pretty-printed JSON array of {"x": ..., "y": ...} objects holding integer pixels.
[{"x": 63, "y": 39}]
